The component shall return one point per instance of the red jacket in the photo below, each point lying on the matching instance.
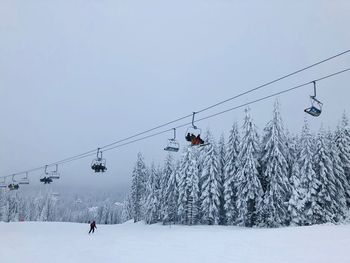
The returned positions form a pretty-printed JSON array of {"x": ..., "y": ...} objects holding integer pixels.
[{"x": 93, "y": 225}]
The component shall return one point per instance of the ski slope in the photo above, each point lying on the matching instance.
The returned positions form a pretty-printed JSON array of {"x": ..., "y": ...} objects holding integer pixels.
[{"x": 69, "y": 242}]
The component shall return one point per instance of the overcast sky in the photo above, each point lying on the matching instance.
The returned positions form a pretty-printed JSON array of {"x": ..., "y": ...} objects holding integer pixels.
[{"x": 78, "y": 74}]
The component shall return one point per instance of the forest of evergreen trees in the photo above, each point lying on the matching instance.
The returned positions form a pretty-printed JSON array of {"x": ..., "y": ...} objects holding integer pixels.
[
  {"x": 269, "y": 180},
  {"x": 49, "y": 206}
]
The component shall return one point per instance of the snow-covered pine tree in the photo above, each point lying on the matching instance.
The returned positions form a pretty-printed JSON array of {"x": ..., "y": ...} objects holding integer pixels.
[
  {"x": 327, "y": 192},
  {"x": 171, "y": 197},
  {"x": 340, "y": 178},
  {"x": 295, "y": 204},
  {"x": 309, "y": 183},
  {"x": 152, "y": 209},
  {"x": 249, "y": 190},
  {"x": 230, "y": 172},
  {"x": 222, "y": 162},
  {"x": 127, "y": 209},
  {"x": 343, "y": 145},
  {"x": 167, "y": 171},
  {"x": 210, "y": 195},
  {"x": 274, "y": 211},
  {"x": 188, "y": 203},
  {"x": 138, "y": 188}
]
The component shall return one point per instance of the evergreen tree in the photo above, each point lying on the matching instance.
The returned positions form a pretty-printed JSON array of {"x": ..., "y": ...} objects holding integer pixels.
[
  {"x": 171, "y": 197},
  {"x": 210, "y": 196},
  {"x": 309, "y": 183},
  {"x": 275, "y": 173},
  {"x": 295, "y": 204},
  {"x": 327, "y": 191},
  {"x": 188, "y": 203},
  {"x": 166, "y": 174},
  {"x": 340, "y": 178},
  {"x": 222, "y": 163},
  {"x": 138, "y": 188},
  {"x": 230, "y": 179},
  {"x": 152, "y": 213},
  {"x": 249, "y": 190},
  {"x": 343, "y": 145}
]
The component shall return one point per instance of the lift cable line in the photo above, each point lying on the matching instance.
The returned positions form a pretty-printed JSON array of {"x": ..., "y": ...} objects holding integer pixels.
[
  {"x": 229, "y": 99},
  {"x": 117, "y": 143}
]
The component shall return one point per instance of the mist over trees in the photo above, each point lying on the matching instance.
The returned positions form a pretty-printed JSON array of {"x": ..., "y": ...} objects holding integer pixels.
[{"x": 267, "y": 179}]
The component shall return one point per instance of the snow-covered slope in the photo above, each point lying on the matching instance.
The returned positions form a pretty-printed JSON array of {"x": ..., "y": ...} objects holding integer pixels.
[{"x": 68, "y": 242}]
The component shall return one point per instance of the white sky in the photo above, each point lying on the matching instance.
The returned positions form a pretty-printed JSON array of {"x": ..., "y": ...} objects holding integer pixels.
[{"x": 78, "y": 74}]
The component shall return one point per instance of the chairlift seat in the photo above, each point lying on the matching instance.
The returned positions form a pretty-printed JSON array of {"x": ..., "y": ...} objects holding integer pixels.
[
  {"x": 46, "y": 180},
  {"x": 54, "y": 176},
  {"x": 23, "y": 181},
  {"x": 13, "y": 187},
  {"x": 313, "y": 111},
  {"x": 171, "y": 149},
  {"x": 173, "y": 146}
]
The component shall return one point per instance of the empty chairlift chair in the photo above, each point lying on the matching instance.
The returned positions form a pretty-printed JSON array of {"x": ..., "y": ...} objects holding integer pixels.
[
  {"x": 53, "y": 174},
  {"x": 173, "y": 145},
  {"x": 99, "y": 164},
  {"x": 24, "y": 179},
  {"x": 316, "y": 106},
  {"x": 3, "y": 183}
]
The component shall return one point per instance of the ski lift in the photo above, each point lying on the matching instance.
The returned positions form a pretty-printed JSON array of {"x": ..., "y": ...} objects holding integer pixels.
[
  {"x": 193, "y": 134},
  {"x": 13, "y": 186},
  {"x": 99, "y": 164},
  {"x": 54, "y": 174},
  {"x": 46, "y": 180},
  {"x": 3, "y": 183},
  {"x": 316, "y": 106},
  {"x": 173, "y": 145},
  {"x": 24, "y": 180}
]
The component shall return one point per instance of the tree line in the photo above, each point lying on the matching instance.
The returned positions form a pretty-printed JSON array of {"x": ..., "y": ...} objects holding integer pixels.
[{"x": 271, "y": 179}]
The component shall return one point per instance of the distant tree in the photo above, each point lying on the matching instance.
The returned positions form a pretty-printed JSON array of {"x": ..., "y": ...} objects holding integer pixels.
[{"x": 138, "y": 187}]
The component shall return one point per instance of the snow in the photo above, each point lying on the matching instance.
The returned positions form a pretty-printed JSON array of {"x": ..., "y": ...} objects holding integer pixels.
[{"x": 69, "y": 242}]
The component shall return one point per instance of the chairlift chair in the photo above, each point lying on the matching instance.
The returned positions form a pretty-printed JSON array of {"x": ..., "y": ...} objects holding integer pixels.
[
  {"x": 173, "y": 145},
  {"x": 24, "y": 180},
  {"x": 316, "y": 106},
  {"x": 99, "y": 164},
  {"x": 14, "y": 185},
  {"x": 3, "y": 183},
  {"x": 54, "y": 174},
  {"x": 193, "y": 134},
  {"x": 46, "y": 180}
]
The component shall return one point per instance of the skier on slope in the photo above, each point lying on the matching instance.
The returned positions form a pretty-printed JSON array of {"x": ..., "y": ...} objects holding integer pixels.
[{"x": 92, "y": 227}]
